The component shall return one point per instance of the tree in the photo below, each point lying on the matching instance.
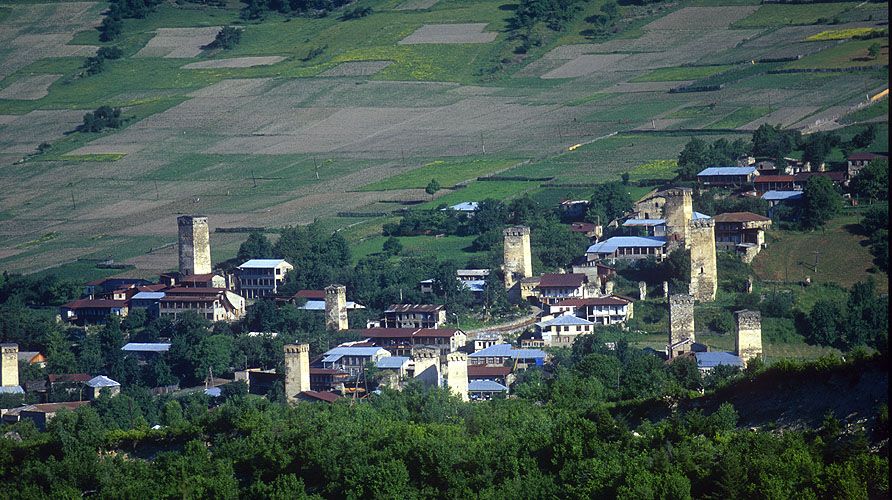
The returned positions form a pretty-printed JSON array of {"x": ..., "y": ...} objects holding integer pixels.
[
  {"x": 865, "y": 137},
  {"x": 818, "y": 147},
  {"x": 60, "y": 359},
  {"x": 110, "y": 28},
  {"x": 773, "y": 141},
  {"x": 103, "y": 117},
  {"x": 872, "y": 182},
  {"x": 392, "y": 246},
  {"x": 693, "y": 158},
  {"x": 822, "y": 202},
  {"x": 432, "y": 187},
  {"x": 609, "y": 201},
  {"x": 874, "y": 50},
  {"x": 625, "y": 177},
  {"x": 257, "y": 246},
  {"x": 227, "y": 38}
]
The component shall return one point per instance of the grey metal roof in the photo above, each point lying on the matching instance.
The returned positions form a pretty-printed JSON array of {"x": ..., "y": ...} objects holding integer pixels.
[
  {"x": 564, "y": 320},
  {"x": 11, "y": 389},
  {"x": 148, "y": 296},
  {"x": 146, "y": 347},
  {"x": 102, "y": 381},
  {"x": 338, "y": 352},
  {"x": 644, "y": 222},
  {"x": 611, "y": 244},
  {"x": 261, "y": 263},
  {"x": 713, "y": 359},
  {"x": 486, "y": 386},
  {"x": 394, "y": 362},
  {"x": 507, "y": 350},
  {"x": 727, "y": 171},
  {"x": 782, "y": 195},
  {"x": 465, "y": 206}
]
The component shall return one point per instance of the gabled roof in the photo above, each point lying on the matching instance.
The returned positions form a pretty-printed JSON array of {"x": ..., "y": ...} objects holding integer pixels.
[
  {"x": 148, "y": 296},
  {"x": 610, "y": 245},
  {"x": 644, "y": 222},
  {"x": 310, "y": 294},
  {"x": 95, "y": 304},
  {"x": 11, "y": 389},
  {"x": 262, "y": 263},
  {"x": 726, "y": 171},
  {"x": 508, "y": 351},
  {"x": 392, "y": 362},
  {"x": 465, "y": 206},
  {"x": 699, "y": 216},
  {"x": 773, "y": 178},
  {"x": 713, "y": 359},
  {"x": 582, "y": 227},
  {"x": 486, "y": 386},
  {"x": 574, "y": 280},
  {"x": 401, "y": 308},
  {"x": 865, "y": 156},
  {"x": 53, "y": 407},
  {"x": 488, "y": 371},
  {"x": 594, "y": 301},
  {"x": 102, "y": 381},
  {"x": 337, "y": 353},
  {"x": 741, "y": 217},
  {"x": 472, "y": 272},
  {"x": 328, "y": 397},
  {"x": 782, "y": 195},
  {"x": 564, "y": 320},
  {"x": 68, "y": 377},
  {"x": 146, "y": 347}
]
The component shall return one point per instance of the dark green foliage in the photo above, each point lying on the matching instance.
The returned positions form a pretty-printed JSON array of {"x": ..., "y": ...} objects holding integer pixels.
[
  {"x": 112, "y": 24},
  {"x": 609, "y": 201},
  {"x": 432, "y": 187},
  {"x": 865, "y": 137},
  {"x": 872, "y": 182},
  {"x": 875, "y": 226},
  {"x": 94, "y": 65},
  {"x": 817, "y": 147},
  {"x": 860, "y": 320},
  {"x": 774, "y": 141},
  {"x": 822, "y": 202},
  {"x": 392, "y": 246},
  {"x": 357, "y": 13},
  {"x": 319, "y": 258},
  {"x": 257, "y": 246},
  {"x": 698, "y": 154},
  {"x": 110, "y": 28},
  {"x": 714, "y": 202},
  {"x": 109, "y": 53},
  {"x": 104, "y": 117},
  {"x": 227, "y": 38}
]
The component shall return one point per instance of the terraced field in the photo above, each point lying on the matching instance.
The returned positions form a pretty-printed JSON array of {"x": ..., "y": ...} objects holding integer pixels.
[{"x": 309, "y": 118}]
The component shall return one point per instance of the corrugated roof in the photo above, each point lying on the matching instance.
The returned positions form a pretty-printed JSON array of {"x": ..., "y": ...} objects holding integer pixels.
[
  {"x": 610, "y": 245},
  {"x": 261, "y": 263},
  {"x": 564, "y": 320},
  {"x": 726, "y": 171},
  {"x": 741, "y": 217},
  {"x": 310, "y": 294},
  {"x": 393, "y": 362},
  {"x": 337, "y": 353},
  {"x": 146, "y": 347},
  {"x": 148, "y": 296},
  {"x": 465, "y": 206},
  {"x": 102, "y": 381},
  {"x": 401, "y": 308},
  {"x": 644, "y": 222},
  {"x": 699, "y": 216},
  {"x": 782, "y": 195},
  {"x": 486, "y": 386},
  {"x": 11, "y": 389},
  {"x": 328, "y": 397},
  {"x": 95, "y": 303},
  {"x": 507, "y": 350},
  {"x": 773, "y": 178},
  {"x": 865, "y": 156},
  {"x": 594, "y": 301},
  {"x": 713, "y": 359},
  {"x": 574, "y": 280},
  {"x": 488, "y": 371}
]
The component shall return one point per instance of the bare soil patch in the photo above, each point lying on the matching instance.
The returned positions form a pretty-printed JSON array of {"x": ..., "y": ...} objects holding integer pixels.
[
  {"x": 416, "y": 5},
  {"x": 784, "y": 116},
  {"x": 357, "y": 68},
  {"x": 585, "y": 65},
  {"x": 698, "y": 18},
  {"x": 450, "y": 33},
  {"x": 235, "y": 62},
  {"x": 178, "y": 42},
  {"x": 29, "y": 88}
]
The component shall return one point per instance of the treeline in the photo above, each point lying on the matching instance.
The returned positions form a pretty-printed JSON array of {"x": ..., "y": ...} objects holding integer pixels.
[
  {"x": 426, "y": 444},
  {"x": 113, "y": 23},
  {"x": 257, "y": 9}
]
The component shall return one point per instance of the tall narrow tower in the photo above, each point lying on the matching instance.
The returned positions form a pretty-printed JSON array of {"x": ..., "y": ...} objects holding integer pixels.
[
  {"x": 678, "y": 212},
  {"x": 195, "y": 245},
  {"x": 427, "y": 366},
  {"x": 336, "y": 308},
  {"x": 297, "y": 370},
  {"x": 457, "y": 374},
  {"x": 9, "y": 365},
  {"x": 518, "y": 260},
  {"x": 681, "y": 324},
  {"x": 748, "y": 344},
  {"x": 704, "y": 279}
]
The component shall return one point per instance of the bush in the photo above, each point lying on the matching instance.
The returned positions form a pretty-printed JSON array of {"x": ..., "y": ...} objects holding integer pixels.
[
  {"x": 103, "y": 117},
  {"x": 227, "y": 38}
]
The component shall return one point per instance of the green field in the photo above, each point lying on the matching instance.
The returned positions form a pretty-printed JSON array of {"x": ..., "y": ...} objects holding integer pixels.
[
  {"x": 681, "y": 73},
  {"x": 880, "y": 108},
  {"x": 446, "y": 172},
  {"x": 849, "y": 54},
  {"x": 799, "y": 14},
  {"x": 739, "y": 117},
  {"x": 442, "y": 247}
]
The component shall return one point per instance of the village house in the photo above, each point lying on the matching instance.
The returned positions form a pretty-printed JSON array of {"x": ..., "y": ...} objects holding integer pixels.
[
  {"x": 727, "y": 176},
  {"x": 32, "y": 358},
  {"x": 775, "y": 198},
  {"x": 207, "y": 280},
  {"x": 96, "y": 288},
  {"x": 486, "y": 339},
  {"x": 857, "y": 161},
  {"x": 588, "y": 229},
  {"x": 486, "y": 390},
  {"x": 646, "y": 227},
  {"x": 414, "y": 316},
  {"x": 400, "y": 341},
  {"x": 627, "y": 248},
  {"x": 765, "y": 183},
  {"x": 466, "y": 207},
  {"x": 213, "y": 304},
  {"x": 259, "y": 278},
  {"x": 561, "y": 331},
  {"x": 352, "y": 359},
  {"x": 707, "y": 361},
  {"x": 609, "y": 310},
  {"x": 40, "y": 413},
  {"x": 507, "y": 355},
  {"x": 329, "y": 379},
  {"x": 801, "y": 179},
  {"x": 100, "y": 384},
  {"x": 398, "y": 365},
  {"x": 557, "y": 287},
  {"x": 144, "y": 351},
  {"x": 573, "y": 209},
  {"x": 498, "y": 374},
  {"x": 147, "y": 300},
  {"x": 741, "y": 232},
  {"x": 93, "y": 311}
]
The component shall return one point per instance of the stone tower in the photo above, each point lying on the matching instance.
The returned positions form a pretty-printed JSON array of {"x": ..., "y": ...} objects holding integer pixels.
[
  {"x": 681, "y": 324},
  {"x": 678, "y": 212},
  {"x": 457, "y": 374},
  {"x": 701, "y": 240},
  {"x": 642, "y": 290},
  {"x": 518, "y": 257},
  {"x": 297, "y": 370},
  {"x": 195, "y": 245},
  {"x": 336, "y": 308},
  {"x": 9, "y": 365},
  {"x": 748, "y": 344},
  {"x": 427, "y": 366}
]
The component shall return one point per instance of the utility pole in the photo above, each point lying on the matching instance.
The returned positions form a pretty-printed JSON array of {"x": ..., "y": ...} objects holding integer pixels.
[
  {"x": 403, "y": 154},
  {"x": 816, "y": 252},
  {"x": 253, "y": 178},
  {"x": 482, "y": 144},
  {"x": 157, "y": 196},
  {"x": 316, "y": 166}
]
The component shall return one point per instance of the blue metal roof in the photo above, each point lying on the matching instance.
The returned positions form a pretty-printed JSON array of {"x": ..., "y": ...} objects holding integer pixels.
[
  {"x": 644, "y": 222},
  {"x": 395, "y": 362},
  {"x": 213, "y": 392},
  {"x": 486, "y": 386},
  {"x": 465, "y": 206},
  {"x": 564, "y": 319},
  {"x": 146, "y": 347},
  {"x": 507, "y": 350},
  {"x": 148, "y": 296},
  {"x": 102, "y": 381},
  {"x": 611, "y": 244},
  {"x": 699, "y": 216},
  {"x": 782, "y": 195},
  {"x": 474, "y": 285},
  {"x": 11, "y": 389},
  {"x": 261, "y": 263},
  {"x": 713, "y": 359},
  {"x": 339, "y": 352},
  {"x": 727, "y": 171}
]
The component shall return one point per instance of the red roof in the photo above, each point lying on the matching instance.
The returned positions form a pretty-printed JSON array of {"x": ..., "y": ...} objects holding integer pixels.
[
  {"x": 740, "y": 217},
  {"x": 436, "y": 332},
  {"x": 488, "y": 371},
  {"x": 326, "y": 371},
  {"x": 95, "y": 303},
  {"x": 198, "y": 277},
  {"x": 833, "y": 176},
  {"x": 594, "y": 301},
  {"x": 582, "y": 227},
  {"x": 310, "y": 294},
  {"x": 562, "y": 280},
  {"x": 152, "y": 288},
  {"x": 54, "y": 407},
  {"x": 864, "y": 156},
  {"x": 328, "y": 397},
  {"x": 773, "y": 178},
  {"x": 68, "y": 377},
  {"x": 183, "y": 290}
]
